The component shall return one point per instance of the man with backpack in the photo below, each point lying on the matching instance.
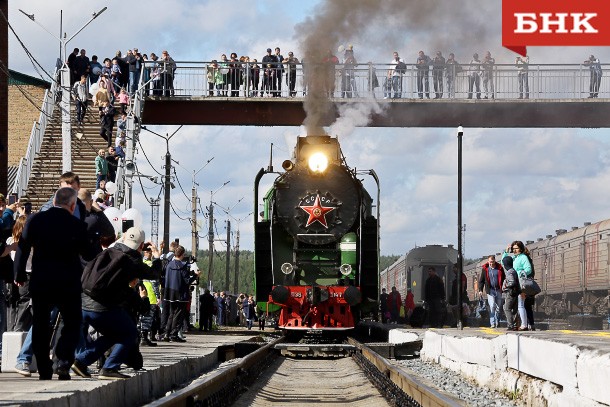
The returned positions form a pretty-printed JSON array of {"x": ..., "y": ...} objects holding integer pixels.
[{"x": 107, "y": 300}]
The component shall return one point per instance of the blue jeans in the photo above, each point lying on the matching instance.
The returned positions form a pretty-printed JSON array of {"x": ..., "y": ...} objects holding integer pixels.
[
  {"x": 100, "y": 177},
  {"x": 27, "y": 352},
  {"x": 494, "y": 299},
  {"x": 118, "y": 329},
  {"x": 521, "y": 310},
  {"x": 134, "y": 78},
  {"x": 397, "y": 86}
]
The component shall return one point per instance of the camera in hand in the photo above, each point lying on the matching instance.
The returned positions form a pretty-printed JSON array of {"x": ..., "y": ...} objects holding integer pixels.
[{"x": 127, "y": 223}]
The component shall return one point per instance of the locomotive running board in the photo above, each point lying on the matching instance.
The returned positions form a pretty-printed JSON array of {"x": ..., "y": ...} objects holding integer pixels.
[{"x": 334, "y": 350}]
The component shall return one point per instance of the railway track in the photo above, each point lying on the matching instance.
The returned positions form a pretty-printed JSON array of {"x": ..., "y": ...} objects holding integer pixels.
[{"x": 265, "y": 378}]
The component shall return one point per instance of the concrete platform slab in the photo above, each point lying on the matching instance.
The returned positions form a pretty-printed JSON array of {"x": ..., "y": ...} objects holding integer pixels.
[
  {"x": 400, "y": 335},
  {"x": 577, "y": 362},
  {"x": 166, "y": 364}
]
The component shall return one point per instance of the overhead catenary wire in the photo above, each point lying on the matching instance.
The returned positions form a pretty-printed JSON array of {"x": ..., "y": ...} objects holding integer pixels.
[
  {"x": 146, "y": 157},
  {"x": 171, "y": 205},
  {"x": 27, "y": 51},
  {"x": 180, "y": 185}
]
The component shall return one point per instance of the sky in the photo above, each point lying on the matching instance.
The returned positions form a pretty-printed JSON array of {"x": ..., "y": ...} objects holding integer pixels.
[{"x": 518, "y": 184}]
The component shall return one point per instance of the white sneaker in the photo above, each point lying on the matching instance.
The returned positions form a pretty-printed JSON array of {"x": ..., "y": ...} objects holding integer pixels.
[{"x": 23, "y": 368}]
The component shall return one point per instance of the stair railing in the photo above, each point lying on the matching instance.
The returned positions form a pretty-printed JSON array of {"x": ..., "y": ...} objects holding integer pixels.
[
  {"x": 39, "y": 128},
  {"x": 125, "y": 170}
]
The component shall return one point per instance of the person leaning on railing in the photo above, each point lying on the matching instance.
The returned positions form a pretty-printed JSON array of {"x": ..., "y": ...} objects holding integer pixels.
[
  {"x": 596, "y": 75},
  {"x": 291, "y": 73},
  {"x": 522, "y": 68}
]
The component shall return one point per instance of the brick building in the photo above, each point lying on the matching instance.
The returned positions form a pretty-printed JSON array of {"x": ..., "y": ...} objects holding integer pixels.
[{"x": 25, "y": 96}]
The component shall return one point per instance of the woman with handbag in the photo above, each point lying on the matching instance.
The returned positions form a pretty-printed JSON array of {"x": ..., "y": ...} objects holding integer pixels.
[{"x": 523, "y": 267}]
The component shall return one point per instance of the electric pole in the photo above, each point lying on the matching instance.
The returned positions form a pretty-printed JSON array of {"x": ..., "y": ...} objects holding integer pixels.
[
  {"x": 211, "y": 233},
  {"x": 194, "y": 232},
  {"x": 211, "y": 241},
  {"x": 167, "y": 187},
  {"x": 235, "y": 281},
  {"x": 228, "y": 255}
]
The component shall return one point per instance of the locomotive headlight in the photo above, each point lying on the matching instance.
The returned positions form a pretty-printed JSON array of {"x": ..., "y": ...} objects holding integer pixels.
[
  {"x": 345, "y": 269},
  {"x": 286, "y": 268},
  {"x": 318, "y": 162}
]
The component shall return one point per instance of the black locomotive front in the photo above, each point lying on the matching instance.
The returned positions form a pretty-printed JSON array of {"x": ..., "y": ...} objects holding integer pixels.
[{"x": 316, "y": 247}]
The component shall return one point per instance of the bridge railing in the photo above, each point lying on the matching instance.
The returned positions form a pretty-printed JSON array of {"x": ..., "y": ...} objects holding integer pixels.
[
  {"x": 544, "y": 81},
  {"x": 26, "y": 162}
]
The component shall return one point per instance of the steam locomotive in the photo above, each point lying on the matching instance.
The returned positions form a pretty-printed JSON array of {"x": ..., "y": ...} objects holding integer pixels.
[{"x": 317, "y": 241}]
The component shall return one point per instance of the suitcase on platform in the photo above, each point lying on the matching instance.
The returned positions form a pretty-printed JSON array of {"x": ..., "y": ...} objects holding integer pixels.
[{"x": 11, "y": 346}]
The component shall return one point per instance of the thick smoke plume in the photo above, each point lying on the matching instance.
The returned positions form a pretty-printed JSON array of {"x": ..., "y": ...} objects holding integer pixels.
[{"x": 388, "y": 25}]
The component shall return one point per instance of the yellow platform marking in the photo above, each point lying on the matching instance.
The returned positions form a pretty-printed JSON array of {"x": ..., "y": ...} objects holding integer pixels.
[{"x": 492, "y": 331}]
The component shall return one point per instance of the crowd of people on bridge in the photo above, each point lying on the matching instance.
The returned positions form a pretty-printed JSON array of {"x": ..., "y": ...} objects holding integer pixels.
[
  {"x": 91, "y": 293},
  {"x": 242, "y": 76},
  {"x": 234, "y": 76}
]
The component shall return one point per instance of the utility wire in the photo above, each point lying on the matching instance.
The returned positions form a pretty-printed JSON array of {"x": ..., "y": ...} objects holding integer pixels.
[
  {"x": 175, "y": 213},
  {"x": 145, "y": 156},
  {"x": 27, "y": 51},
  {"x": 180, "y": 185}
]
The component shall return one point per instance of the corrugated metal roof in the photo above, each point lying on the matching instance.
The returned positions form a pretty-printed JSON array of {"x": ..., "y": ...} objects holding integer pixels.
[{"x": 18, "y": 78}]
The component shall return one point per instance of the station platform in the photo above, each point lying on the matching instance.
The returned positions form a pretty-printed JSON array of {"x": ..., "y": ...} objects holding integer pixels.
[
  {"x": 550, "y": 368},
  {"x": 166, "y": 366}
]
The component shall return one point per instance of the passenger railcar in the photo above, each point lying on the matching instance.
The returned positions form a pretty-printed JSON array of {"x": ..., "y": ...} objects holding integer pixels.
[
  {"x": 573, "y": 270},
  {"x": 317, "y": 241},
  {"x": 410, "y": 270}
]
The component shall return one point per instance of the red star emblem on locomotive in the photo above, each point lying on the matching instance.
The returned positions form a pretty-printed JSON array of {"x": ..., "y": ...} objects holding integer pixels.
[{"x": 317, "y": 212}]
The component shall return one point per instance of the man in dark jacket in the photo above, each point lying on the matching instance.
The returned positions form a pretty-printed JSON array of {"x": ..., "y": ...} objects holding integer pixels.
[
  {"x": 99, "y": 228},
  {"x": 492, "y": 277},
  {"x": 178, "y": 277},
  {"x": 107, "y": 299},
  {"x": 383, "y": 305},
  {"x": 206, "y": 307},
  {"x": 58, "y": 240},
  {"x": 435, "y": 295},
  {"x": 453, "y": 299},
  {"x": 394, "y": 304}
]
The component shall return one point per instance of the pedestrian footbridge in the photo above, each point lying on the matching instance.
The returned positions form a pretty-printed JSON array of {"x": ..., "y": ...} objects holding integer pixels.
[{"x": 556, "y": 96}]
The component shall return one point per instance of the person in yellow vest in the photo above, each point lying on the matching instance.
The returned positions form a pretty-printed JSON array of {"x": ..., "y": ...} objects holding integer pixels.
[{"x": 149, "y": 323}]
